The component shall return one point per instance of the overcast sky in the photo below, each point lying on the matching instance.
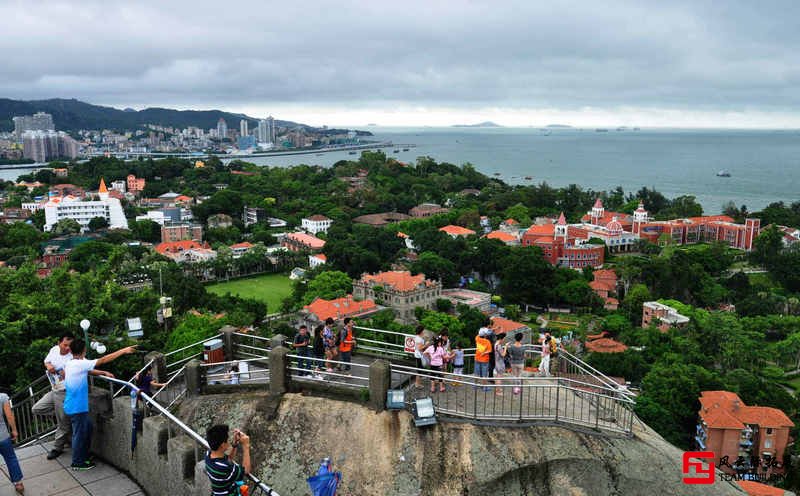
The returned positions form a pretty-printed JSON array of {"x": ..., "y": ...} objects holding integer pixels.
[{"x": 660, "y": 63}]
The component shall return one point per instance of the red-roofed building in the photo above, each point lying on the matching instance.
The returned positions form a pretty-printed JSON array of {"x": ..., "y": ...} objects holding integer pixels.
[
  {"x": 319, "y": 310},
  {"x": 317, "y": 260},
  {"x": 400, "y": 291},
  {"x": 604, "y": 283},
  {"x": 605, "y": 345},
  {"x": 298, "y": 241},
  {"x": 510, "y": 327},
  {"x": 505, "y": 237},
  {"x": 186, "y": 251},
  {"x": 135, "y": 184},
  {"x": 600, "y": 217},
  {"x": 239, "y": 249},
  {"x": 563, "y": 245},
  {"x": 730, "y": 428},
  {"x": 427, "y": 210},
  {"x": 456, "y": 231}
]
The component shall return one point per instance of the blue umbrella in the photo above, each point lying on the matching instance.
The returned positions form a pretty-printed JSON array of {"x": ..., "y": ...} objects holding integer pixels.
[{"x": 326, "y": 481}]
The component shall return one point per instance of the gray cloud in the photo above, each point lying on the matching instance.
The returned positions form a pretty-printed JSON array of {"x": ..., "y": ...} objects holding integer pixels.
[{"x": 557, "y": 54}]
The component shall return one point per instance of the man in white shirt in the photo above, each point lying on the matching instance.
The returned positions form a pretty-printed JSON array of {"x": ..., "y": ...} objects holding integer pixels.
[
  {"x": 53, "y": 402},
  {"x": 76, "y": 401}
]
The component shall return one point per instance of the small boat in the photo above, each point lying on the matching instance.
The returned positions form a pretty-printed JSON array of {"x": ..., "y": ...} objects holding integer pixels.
[
  {"x": 528, "y": 178},
  {"x": 723, "y": 173},
  {"x": 497, "y": 174},
  {"x": 319, "y": 154},
  {"x": 352, "y": 153},
  {"x": 405, "y": 149},
  {"x": 396, "y": 151},
  {"x": 601, "y": 130}
]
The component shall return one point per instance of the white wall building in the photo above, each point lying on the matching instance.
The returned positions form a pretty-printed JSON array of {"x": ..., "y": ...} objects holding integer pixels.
[
  {"x": 316, "y": 224},
  {"x": 70, "y": 207}
]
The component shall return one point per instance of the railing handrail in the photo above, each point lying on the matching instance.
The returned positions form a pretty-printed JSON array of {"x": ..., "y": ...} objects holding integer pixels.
[
  {"x": 217, "y": 336},
  {"x": 215, "y": 364},
  {"x": 185, "y": 428},
  {"x": 383, "y": 331},
  {"x": 148, "y": 364}
]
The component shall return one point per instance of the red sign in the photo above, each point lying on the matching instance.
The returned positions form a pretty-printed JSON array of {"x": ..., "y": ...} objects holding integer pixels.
[
  {"x": 701, "y": 475},
  {"x": 410, "y": 346}
]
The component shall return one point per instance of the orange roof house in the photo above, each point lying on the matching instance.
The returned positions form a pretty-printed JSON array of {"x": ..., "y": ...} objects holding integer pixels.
[
  {"x": 319, "y": 310},
  {"x": 503, "y": 236},
  {"x": 172, "y": 247},
  {"x": 298, "y": 241},
  {"x": 400, "y": 291},
  {"x": 605, "y": 345},
  {"x": 400, "y": 280},
  {"x": 753, "y": 488},
  {"x": 456, "y": 231},
  {"x": 510, "y": 327},
  {"x": 730, "y": 428}
]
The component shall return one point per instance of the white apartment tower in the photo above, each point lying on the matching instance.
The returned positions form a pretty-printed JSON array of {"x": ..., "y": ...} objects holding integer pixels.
[
  {"x": 243, "y": 127},
  {"x": 222, "y": 129}
]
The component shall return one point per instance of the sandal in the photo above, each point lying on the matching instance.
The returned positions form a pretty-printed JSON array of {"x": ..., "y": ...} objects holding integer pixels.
[{"x": 19, "y": 488}]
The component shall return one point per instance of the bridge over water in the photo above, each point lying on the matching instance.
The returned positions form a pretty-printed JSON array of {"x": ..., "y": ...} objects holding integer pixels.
[{"x": 577, "y": 397}]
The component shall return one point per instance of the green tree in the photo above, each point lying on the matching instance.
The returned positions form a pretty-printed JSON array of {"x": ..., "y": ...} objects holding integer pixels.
[
  {"x": 328, "y": 285},
  {"x": 436, "y": 267},
  {"x": 634, "y": 300},
  {"x": 146, "y": 230},
  {"x": 97, "y": 223},
  {"x": 66, "y": 226}
]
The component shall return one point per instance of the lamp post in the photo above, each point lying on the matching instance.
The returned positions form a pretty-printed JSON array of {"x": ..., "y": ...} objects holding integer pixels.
[{"x": 85, "y": 324}]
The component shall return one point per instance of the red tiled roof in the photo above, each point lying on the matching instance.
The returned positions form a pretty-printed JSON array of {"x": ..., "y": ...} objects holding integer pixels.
[
  {"x": 183, "y": 198},
  {"x": 502, "y": 236},
  {"x": 312, "y": 242},
  {"x": 244, "y": 244},
  {"x": 499, "y": 324},
  {"x": 600, "y": 285},
  {"x": 510, "y": 222},
  {"x": 753, "y": 488},
  {"x": 177, "y": 246},
  {"x": 402, "y": 235},
  {"x": 318, "y": 217},
  {"x": 401, "y": 280},
  {"x": 604, "y": 274},
  {"x": 605, "y": 345},
  {"x": 321, "y": 256},
  {"x": 725, "y": 410},
  {"x": 456, "y": 230},
  {"x": 561, "y": 219},
  {"x": 339, "y": 308},
  {"x": 545, "y": 230}
]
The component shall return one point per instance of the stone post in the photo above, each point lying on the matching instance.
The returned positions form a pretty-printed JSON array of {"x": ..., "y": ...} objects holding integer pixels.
[
  {"x": 279, "y": 373},
  {"x": 194, "y": 378},
  {"x": 227, "y": 341},
  {"x": 380, "y": 380},
  {"x": 159, "y": 365},
  {"x": 277, "y": 340}
]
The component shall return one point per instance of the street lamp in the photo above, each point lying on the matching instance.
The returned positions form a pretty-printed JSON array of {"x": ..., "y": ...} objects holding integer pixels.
[{"x": 85, "y": 324}]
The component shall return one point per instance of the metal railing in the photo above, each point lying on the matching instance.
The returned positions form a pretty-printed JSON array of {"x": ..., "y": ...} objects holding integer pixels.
[
  {"x": 179, "y": 357},
  {"x": 257, "y": 371},
  {"x": 348, "y": 374},
  {"x": 522, "y": 399},
  {"x": 198, "y": 440},
  {"x": 30, "y": 426}
]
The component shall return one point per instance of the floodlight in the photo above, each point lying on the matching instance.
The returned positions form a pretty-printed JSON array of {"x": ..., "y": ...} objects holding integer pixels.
[
  {"x": 395, "y": 399},
  {"x": 424, "y": 413}
]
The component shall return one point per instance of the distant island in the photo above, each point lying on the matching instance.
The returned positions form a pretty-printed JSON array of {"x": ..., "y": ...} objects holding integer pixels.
[
  {"x": 558, "y": 126},
  {"x": 480, "y": 124}
]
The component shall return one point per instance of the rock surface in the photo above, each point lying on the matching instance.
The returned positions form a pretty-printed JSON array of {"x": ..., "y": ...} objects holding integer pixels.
[{"x": 385, "y": 454}]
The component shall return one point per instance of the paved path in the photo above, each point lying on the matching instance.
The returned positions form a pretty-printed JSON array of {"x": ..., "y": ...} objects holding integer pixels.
[{"x": 45, "y": 477}]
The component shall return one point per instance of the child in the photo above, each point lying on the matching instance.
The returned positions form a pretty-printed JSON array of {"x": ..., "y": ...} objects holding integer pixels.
[{"x": 458, "y": 360}]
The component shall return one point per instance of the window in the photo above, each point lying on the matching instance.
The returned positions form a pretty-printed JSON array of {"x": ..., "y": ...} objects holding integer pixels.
[
  {"x": 769, "y": 431},
  {"x": 767, "y": 443}
]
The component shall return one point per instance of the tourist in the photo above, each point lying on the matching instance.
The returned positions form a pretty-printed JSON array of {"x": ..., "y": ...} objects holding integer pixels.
[
  {"x": 329, "y": 340},
  {"x": 458, "y": 360},
  {"x": 319, "y": 350},
  {"x": 499, "y": 362},
  {"x": 144, "y": 381},
  {"x": 234, "y": 373},
  {"x": 544, "y": 365},
  {"x": 223, "y": 472},
  {"x": 7, "y": 444},
  {"x": 419, "y": 348},
  {"x": 76, "y": 400},
  {"x": 346, "y": 343},
  {"x": 436, "y": 356},
  {"x": 483, "y": 352},
  {"x": 52, "y": 403},
  {"x": 492, "y": 339},
  {"x": 301, "y": 345},
  {"x": 517, "y": 354}
]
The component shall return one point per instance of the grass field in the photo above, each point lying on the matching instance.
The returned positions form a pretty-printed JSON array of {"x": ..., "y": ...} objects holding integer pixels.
[{"x": 269, "y": 288}]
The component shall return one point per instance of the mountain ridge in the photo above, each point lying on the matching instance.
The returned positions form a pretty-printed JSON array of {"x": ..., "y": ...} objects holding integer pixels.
[{"x": 70, "y": 114}]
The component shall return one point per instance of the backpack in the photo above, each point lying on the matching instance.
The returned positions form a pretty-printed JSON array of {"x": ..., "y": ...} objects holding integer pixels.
[{"x": 553, "y": 347}]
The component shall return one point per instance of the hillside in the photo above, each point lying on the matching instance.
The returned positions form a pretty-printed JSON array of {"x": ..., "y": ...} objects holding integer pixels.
[{"x": 73, "y": 115}]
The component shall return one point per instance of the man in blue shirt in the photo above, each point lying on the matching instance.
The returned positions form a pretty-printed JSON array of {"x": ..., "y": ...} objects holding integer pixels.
[{"x": 76, "y": 401}]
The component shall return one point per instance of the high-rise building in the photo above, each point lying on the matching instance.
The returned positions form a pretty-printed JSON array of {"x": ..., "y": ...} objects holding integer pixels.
[
  {"x": 271, "y": 129},
  {"x": 222, "y": 129},
  {"x": 36, "y": 122},
  {"x": 243, "y": 127},
  {"x": 261, "y": 131},
  {"x": 41, "y": 146}
]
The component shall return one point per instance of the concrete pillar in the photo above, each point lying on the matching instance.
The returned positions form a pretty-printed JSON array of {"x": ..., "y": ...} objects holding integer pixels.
[
  {"x": 279, "y": 373},
  {"x": 181, "y": 458},
  {"x": 277, "y": 340},
  {"x": 227, "y": 341},
  {"x": 159, "y": 365},
  {"x": 380, "y": 380},
  {"x": 194, "y": 378}
]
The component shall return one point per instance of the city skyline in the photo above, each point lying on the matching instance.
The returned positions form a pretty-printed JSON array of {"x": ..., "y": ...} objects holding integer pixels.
[{"x": 683, "y": 64}]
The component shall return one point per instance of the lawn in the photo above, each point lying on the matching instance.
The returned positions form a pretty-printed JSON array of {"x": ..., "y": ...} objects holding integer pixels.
[{"x": 269, "y": 288}]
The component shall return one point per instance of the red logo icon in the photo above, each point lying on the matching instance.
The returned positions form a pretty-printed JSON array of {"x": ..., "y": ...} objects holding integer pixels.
[{"x": 699, "y": 474}]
